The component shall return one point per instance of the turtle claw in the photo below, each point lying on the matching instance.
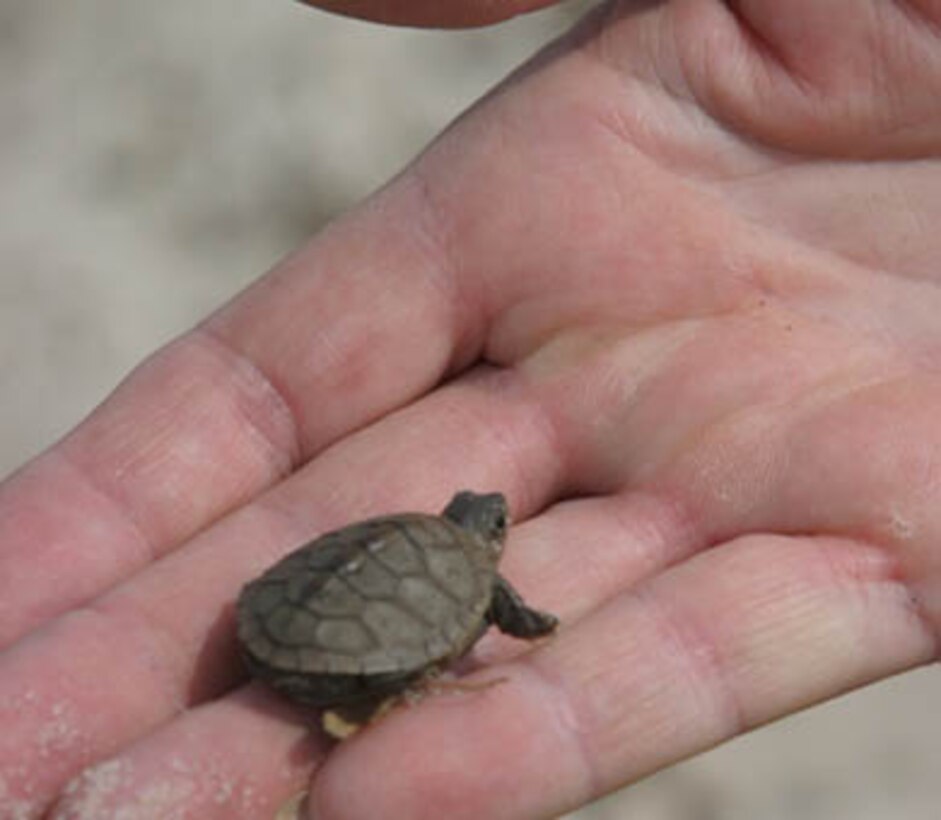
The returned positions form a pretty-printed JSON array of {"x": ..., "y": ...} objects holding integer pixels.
[
  {"x": 338, "y": 726},
  {"x": 294, "y": 808}
]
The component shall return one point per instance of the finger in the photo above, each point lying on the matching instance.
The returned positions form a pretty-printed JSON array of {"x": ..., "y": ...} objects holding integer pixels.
[
  {"x": 722, "y": 643},
  {"x": 374, "y": 312},
  {"x": 803, "y": 425},
  {"x": 240, "y": 758},
  {"x": 852, "y": 458},
  {"x": 190, "y": 434},
  {"x": 566, "y": 560},
  {"x": 361, "y": 321},
  {"x": 800, "y": 83},
  {"x": 404, "y": 290},
  {"x": 712, "y": 504},
  {"x": 162, "y": 641},
  {"x": 430, "y": 13},
  {"x": 182, "y": 599}
]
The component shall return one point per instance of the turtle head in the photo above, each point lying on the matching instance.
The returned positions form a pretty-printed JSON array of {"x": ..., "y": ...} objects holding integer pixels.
[{"x": 485, "y": 515}]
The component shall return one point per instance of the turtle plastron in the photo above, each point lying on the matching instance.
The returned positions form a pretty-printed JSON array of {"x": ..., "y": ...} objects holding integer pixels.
[
  {"x": 433, "y": 682},
  {"x": 342, "y": 723}
]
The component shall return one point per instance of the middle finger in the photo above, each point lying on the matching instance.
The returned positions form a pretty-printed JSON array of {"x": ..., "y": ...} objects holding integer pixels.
[
  {"x": 572, "y": 557},
  {"x": 93, "y": 680}
]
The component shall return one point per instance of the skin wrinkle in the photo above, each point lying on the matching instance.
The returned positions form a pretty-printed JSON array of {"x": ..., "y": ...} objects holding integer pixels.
[
  {"x": 701, "y": 653},
  {"x": 753, "y": 282},
  {"x": 593, "y": 730},
  {"x": 441, "y": 274},
  {"x": 446, "y": 276},
  {"x": 879, "y": 562},
  {"x": 326, "y": 350},
  {"x": 703, "y": 95},
  {"x": 600, "y": 453},
  {"x": 562, "y": 710},
  {"x": 845, "y": 571},
  {"x": 647, "y": 541},
  {"x": 774, "y": 59},
  {"x": 282, "y": 416},
  {"x": 860, "y": 132},
  {"x": 145, "y": 547},
  {"x": 682, "y": 529},
  {"x": 153, "y": 459},
  {"x": 921, "y": 20},
  {"x": 640, "y": 129},
  {"x": 526, "y": 503},
  {"x": 166, "y": 657},
  {"x": 720, "y": 106},
  {"x": 829, "y": 393},
  {"x": 560, "y": 446},
  {"x": 442, "y": 218},
  {"x": 357, "y": 304},
  {"x": 872, "y": 529},
  {"x": 833, "y": 390},
  {"x": 858, "y": 317},
  {"x": 831, "y": 387},
  {"x": 575, "y": 438},
  {"x": 876, "y": 566},
  {"x": 918, "y": 221},
  {"x": 869, "y": 258},
  {"x": 665, "y": 76},
  {"x": 891, "y": 15},
  {"x": 873, "y": 559}
]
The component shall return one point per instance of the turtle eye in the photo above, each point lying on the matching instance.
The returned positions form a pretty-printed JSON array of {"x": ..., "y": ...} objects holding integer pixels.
[{"x": 499, "y": 524}]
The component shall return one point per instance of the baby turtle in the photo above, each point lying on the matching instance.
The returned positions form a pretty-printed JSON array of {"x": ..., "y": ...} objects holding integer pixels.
[{"x": 360, "y": 614}]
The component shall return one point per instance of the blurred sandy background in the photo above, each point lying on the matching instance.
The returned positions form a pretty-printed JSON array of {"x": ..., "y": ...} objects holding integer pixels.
[{"x": 157, "y": 156}]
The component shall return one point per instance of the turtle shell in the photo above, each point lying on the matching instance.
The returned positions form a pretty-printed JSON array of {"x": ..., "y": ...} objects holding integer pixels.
[{"x": 362, "y": 612}]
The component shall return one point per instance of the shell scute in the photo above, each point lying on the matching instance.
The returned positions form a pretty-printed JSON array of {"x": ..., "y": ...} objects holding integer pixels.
[
  {"x": 427, "y": 600},
  {"x": 344, "y": 636},
  {"x": 369, "y": 577},
  {"x": 455, "y": 574},
  {"x": 393, "y": 625},
  {"x": 398, "y": 555}
]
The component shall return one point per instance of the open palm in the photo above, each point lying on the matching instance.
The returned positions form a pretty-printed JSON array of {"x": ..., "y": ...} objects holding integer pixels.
[{"x": 672, "y": 289}]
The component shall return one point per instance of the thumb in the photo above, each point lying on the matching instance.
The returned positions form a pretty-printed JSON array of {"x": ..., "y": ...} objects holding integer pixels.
[{"x": 450, "y": 14}]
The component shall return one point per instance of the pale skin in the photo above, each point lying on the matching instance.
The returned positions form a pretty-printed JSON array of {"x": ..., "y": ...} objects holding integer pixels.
[{"x": 674, "y": 290}]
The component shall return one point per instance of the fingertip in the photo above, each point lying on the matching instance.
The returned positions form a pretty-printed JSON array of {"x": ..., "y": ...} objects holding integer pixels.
[{"x": 431, "y": 13}]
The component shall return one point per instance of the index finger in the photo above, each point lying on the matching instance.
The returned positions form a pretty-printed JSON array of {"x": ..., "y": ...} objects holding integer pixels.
[{"x": 357, "y": 323}]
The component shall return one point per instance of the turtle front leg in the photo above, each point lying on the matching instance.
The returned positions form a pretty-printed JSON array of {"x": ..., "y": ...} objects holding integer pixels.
[{"x": 509, "y": 613}]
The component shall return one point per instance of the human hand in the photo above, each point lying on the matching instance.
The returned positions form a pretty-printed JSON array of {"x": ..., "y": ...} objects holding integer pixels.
[{"x": 672, "y": 289}]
